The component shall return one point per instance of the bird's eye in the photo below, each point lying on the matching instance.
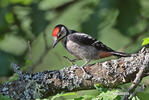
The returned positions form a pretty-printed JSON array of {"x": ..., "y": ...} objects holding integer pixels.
[{"x": 62, "y": 32}]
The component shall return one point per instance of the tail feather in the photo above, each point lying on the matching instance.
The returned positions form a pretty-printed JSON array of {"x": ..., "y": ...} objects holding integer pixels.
[{"x": 121, "y": 54}]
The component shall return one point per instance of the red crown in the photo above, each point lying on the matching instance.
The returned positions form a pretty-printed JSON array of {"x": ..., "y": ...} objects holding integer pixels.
[{"x": 55, "y": 31}]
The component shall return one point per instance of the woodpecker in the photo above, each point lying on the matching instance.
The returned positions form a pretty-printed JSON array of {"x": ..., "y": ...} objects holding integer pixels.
[{"x": 82, "y": 45}]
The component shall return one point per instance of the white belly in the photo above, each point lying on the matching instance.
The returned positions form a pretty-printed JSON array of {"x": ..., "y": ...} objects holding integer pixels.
[{"x": 82, "y": 51}]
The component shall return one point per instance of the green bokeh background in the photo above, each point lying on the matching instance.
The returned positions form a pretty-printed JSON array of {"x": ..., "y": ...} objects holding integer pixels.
[{"x": 120, "y": 24}]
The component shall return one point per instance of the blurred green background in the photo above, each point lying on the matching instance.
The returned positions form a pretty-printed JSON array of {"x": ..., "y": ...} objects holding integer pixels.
[{"x": 120, "y": 24}]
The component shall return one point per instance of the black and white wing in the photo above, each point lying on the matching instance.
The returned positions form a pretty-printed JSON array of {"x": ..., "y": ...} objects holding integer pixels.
[{"x": 86, "y": 39}]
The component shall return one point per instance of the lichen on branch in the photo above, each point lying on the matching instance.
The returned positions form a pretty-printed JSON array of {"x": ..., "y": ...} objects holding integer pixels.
[{"x": 43, "y": 84}]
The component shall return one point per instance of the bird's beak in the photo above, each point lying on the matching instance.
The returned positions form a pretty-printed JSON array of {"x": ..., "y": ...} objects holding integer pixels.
[{"x": 55, "y": 42}]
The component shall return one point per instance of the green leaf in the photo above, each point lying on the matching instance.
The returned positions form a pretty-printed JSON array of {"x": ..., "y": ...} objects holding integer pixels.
[
  {"x": 25, "y": 2},
  {"x": 67, "y": 94},
  {"x": 9, "y": 17},
  {"x": 100, "y": 88},
  {"x": 45, "y": 3},
  {"x": 4, "y": 97},
  {"x": 56, "y": 96},
  {"x": 13, "y": 44},
  {"x": 145, "y": 41},
  {"x": 85, "y": 97},
  {"x": 109, "y": 95},
  {"x": 42, "y": 99},
  {"x": 63, "y": 94},
  {"x": 14, "y": 77},
  {"x": 135, "y": 98},
  {"x": 80, "y": 98},
  {"x": 27, "y": 64}
]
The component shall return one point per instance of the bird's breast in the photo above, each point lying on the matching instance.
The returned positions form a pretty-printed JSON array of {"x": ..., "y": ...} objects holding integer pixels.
[{"x": 82, "y": 51}]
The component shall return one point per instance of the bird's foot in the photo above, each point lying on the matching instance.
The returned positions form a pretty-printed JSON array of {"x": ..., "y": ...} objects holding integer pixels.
[
  {"x": 84, "y": 72},
  {"x": 82, "y": 67}
]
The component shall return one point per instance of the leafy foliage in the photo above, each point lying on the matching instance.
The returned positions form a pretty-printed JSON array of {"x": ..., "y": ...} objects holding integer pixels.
[
  {"x": 63, "y": 94},
  {"x": 103, "y": 94},
  {"x": 120, "y": 24},
  {"x": 145, "y": 41},
  {"x": 4, "y": 97}
]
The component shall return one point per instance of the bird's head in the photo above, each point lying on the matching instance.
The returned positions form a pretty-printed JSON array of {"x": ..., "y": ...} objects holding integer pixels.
[{"x": 59, "y": 32}]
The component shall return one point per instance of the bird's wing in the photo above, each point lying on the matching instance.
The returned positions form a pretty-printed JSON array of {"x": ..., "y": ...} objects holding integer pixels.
[{"x": 86, "y": 39}]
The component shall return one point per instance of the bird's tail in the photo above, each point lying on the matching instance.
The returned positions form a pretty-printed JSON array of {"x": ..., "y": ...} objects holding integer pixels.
[{"x": 120, "y": 54}]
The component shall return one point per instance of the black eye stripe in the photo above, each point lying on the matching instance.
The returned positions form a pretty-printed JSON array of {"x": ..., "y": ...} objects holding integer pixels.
[{"x": 59, "y": 34}]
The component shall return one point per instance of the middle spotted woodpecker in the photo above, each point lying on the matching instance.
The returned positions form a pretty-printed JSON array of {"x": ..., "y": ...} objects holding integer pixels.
[{"x": 81, "y": 45}]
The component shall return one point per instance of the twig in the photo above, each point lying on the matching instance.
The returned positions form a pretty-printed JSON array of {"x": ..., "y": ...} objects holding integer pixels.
[
  {"x": 16, "y": 69},
  {"x": 139, "y": 89},
  {"x": 136, "y": 82},
  {"x": 45, "y": 40},
  {"x": 30, "y": 50}
]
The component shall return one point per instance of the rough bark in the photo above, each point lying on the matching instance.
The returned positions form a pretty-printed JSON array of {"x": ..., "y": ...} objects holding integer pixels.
[{"x": 43, "y": 84}]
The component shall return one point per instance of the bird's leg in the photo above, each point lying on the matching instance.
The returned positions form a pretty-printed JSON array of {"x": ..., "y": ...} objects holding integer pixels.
[
  {"x": 70, "y": 60},
  {"x": 82, "y": 67},
  {"x": 86, "y": 62}
]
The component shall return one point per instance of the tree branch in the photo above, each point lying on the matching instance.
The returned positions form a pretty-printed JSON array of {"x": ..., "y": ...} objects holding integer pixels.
[{"x": 109, "y": 74}]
